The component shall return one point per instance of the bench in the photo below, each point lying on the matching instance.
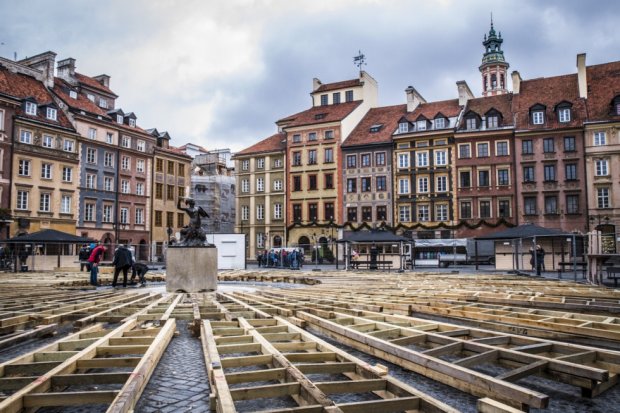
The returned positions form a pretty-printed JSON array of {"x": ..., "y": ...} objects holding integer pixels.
[
  {"x": 380, "y": 264},
  {"x": 613, "y": 273}
]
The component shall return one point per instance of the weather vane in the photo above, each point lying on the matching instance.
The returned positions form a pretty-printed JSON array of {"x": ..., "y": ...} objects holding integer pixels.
[{"x": 359, "y": 60}]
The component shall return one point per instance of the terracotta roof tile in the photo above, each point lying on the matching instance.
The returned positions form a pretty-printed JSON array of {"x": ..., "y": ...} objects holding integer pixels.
[
  {"x": 449, "y": 108},
  {"x": 173, "y": 150},
  {"x": 501, "y": 103},
  {"x": 321, "y": 114},
  {"x": 82, "y": 103},
  {"x": 184, "y": 147},
  {"x": 90, "y": 82},
  {"x": 338, "y": 85},
  {"x": 387, "y": 117},
  {"x": 271, "y": 144},
  {"x": 21, "y": 87},
  {"x": 548, "y": 91},
  {"x": 603, "y": 87}
]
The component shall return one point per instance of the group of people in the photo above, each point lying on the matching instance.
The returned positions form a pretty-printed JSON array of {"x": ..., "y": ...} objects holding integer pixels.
[
  {"x": 281, "y": 258},
  {"x": 537, "y": 260},
  {"x": 90, "y": 257}
]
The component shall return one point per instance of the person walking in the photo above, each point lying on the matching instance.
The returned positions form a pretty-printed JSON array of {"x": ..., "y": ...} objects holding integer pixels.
[
  {"x": 122, "y": 261},
  {"x": 540, "y": 259},
  {"x": 83, "y": 256},
  {"x": 95, "y": 258}
]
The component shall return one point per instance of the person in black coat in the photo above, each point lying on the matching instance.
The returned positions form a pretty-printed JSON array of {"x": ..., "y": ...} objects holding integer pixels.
[
  {"x": 122, "y": 262},
  {"x": 83, "y": 256},
  {"x": 140, "y": 270}
]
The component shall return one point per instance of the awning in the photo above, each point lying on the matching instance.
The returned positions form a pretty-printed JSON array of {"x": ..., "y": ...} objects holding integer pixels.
[
  {"x": 525, "y": 231},
  {"x": 50, "y": 236}
]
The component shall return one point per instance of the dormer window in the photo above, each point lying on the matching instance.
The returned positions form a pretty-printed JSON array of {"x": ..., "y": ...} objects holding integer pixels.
[
  {"x": 73, "y": 94},
  {"x": 440, "y": 123},
  {"x": 538, "y": 117},
  {"x": 319, "y": 116},
  {"x": 119, "y": 119},
  {"x": 348, "y": 96},
  {"x": 471, "y": 123},
  {"x": 403, "y": 127},
  {"x": 564, "y": 115},
  {"x": 323, "y": 100},
  {"x": 616, "y": 105},
  {"x": 31, "y": 108},
  {"x": 91, "y": 97},
  {"x": 103, "y": 103},
  {"x": 132, "y": 122},
  {"x": 492, "y": 121},
  {"x": 51, "y": 113},
  {"x": 375, "y": 128},
  {"x": 421, "y": 124}
]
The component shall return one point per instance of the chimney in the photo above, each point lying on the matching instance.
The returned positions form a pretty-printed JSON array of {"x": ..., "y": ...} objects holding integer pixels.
[
  {"x": 66, "y": 69},
  {"x": 316, "y": 83},
  {"x": 516, "y": 82},
  {"x": 582, "y": 77},
  {"x": 464, "y": 92},
  {"x": 103, "y": 79},
  {"x": 44, "y": 63},
  {"x": 413, "y": 99}
]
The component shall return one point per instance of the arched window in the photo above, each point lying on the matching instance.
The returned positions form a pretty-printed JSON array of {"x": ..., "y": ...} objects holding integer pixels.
[
  {"x": 277, "y": 241},
  {"x": 493, "y": 81},
  {"x": 304, "y": 242}
]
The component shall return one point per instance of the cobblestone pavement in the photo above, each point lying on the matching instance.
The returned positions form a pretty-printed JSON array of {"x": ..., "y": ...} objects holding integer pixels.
[{"x": 179, "y": 382}]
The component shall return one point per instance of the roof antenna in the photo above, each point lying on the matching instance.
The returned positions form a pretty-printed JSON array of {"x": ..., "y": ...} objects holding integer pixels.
[{"x": 359, "y": 60}]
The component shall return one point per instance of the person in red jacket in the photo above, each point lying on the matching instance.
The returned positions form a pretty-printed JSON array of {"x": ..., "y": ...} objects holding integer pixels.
[{"x": 95, "y": 257}]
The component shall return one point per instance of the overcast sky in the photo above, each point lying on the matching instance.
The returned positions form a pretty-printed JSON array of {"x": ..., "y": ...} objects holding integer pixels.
[{"x": 219, "y": 73}]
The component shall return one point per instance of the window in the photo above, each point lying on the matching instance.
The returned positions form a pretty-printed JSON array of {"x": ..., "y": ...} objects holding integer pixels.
[
  {"x": 528, "y": 174},
  {"x": 91, "y": 155},
  {"x": 139, "y": 188},
  {"x": 25, "y": 136},
  {"x": 313, "y": 212},
  {"x": 169, "y": 219},
  {"x": 277, "y": 185},
  {"x": 92, "y": 133},
  {"x": 549, "y": 173},
  {"x": 564, "y": 115},
  {"x": 296, "y": 138},
  {"x": 103, "y": 103},
  {"x": 381, "y": 213},
  {"x": 125, "y": 163},
  {"x": 441, "y": 212},
  {"x": 141, "y": 146},
  {"x": 352, "y": 214},
  {"x": 366, "y": 184},
  {"x": 336, "y": 98},
  {"x": 89, "y": 212},
  {"x": 329, "y": 134},
  {"x": 441, "y": 158},
  {"x": 125, "y": 186},
  {"x": 403, "y": 127},
  {"x": 570, "y": 170},
  {"x": 245, "y": 164},
  {"x": 108, "y": 183},
  {"x": 548, "y": 145},
  {"x": 569, "y": 144},
  {"x": 108, "y": 159},
  {"x": 483, "y": 178},
  {"x": 366, "y": 213},
  {"x": 312, "y": 136},
  {"x": 297, "y": 183},
  {"x": 139, "y": 216},
  {"x": 403, "y": 160},
  {"x": 527, "y": 147},
  {"x": 365, "y": 159},
  {"x": 380, "y": 159},
  {"x": 471, "y": 123},
  {"x": 404, "y": 213},
  {"x": 180, "y": 219},
  {"x": 22, "y": 200},
  {"x": 245, "y": 213},
  {"x": 181, "y": 191},
  {"x": 351, "y": 185},
  {"x": 572, "y": 204},
  {"x": 48, "y": 141},
  {"x": 423, "y": 185},
  {"x": 260, "y": 163},
  {"x": 159, "y": 191},
  {"x": 600, "y": 139},
  {"x": 403, "y": 186},
  {"x": 503, "y": 177},
  {"x": 46, "y": 170},
  {"x": 171, "y": 167},
  {"x": 296, "y": 158},
  {"x": 67, "y": 174},
  {"x": 503, "y": 208},
  {"x": 24, "y": 167},
  {"x": 65, "y": 204},
  {"x": 465, "y": 209},
  {"x": 538, "y": 117},
  {"x": 492, "y": 121},
  {"x": 73, "y": 94},
  {"x": 329, "y": 155},
  {"x": 91, "y": 97},
  {"x": 31, "y": 108},
  {"x": 170, "y": 192},
  {"x": 422, "y": 159},
  {"x": 348, "y": 95},
  {"x": 601, "y": 167},
  {"x": 125, "y": 216},
  {"x": 501, "y": 148},
  {"x": 421, "y": 125},
  {"x": 482, "y": 150},
  {"x": 424, "y": 213},
  {"x": 484, "y": 209},
  {"x": 329, "y": 181},
  {"x": 551, "y": 204},
  {"x": 126, "y": 141},
  {"x": 260, "y": 240},
  {"x": 109, "y": 137},
  {"x": 328, "y": 209},
  {"x": 602, "y": 197},
  {"x": 324, "y": 100},
  {"x": 297, "y": 212},
  {"x": 159, "y": 165},
  {"x": 529, "y": 205},
  {"x": 277, "y": 163},
  {"x": 260, "y": 184},
  {"x": 277, "y": 211},
  {"x": 465, "y": 179},
  {"x": 68, "y": 145},
  {"x": 465, "y": 151},
  {"x": 158, "y": 218},
  {"x": 381, "y": 183},
  {"x": 260, "y": 211},
  {"x": 312, "y": 182},
  {"x": 351, "y": 161},
  {"x": 312, "y": 159},
  {"x": 440, "y": 123},
  {"x": 442, "y": 183}
]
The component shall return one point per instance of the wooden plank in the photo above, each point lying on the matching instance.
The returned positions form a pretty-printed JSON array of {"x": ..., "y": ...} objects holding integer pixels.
[
  {"x": 265, "y": 392},
  {"x": 383, "y": 406},
  {"x": 352, "y": 386},
  {"x": 69, "y": 398},
  {"x": 260, "y": 360},
  {"x": 99, "y": 363},
  {"x": 524, "y": 371},
  {"x": 257, "y": 375},
  {"x": 488, "y": 405},
  {"x": 89, "y": 378}
]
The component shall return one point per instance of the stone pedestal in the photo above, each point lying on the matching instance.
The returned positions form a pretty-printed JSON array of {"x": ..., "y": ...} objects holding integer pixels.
[{"x": 191, "y": 269}]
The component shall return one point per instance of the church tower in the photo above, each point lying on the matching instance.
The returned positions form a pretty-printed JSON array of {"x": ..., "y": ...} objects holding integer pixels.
[{"x": 494, "y": 67}]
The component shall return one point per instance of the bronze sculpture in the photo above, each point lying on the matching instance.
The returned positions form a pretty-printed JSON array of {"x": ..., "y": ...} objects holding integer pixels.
[{"x": 192, "y": 235}]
